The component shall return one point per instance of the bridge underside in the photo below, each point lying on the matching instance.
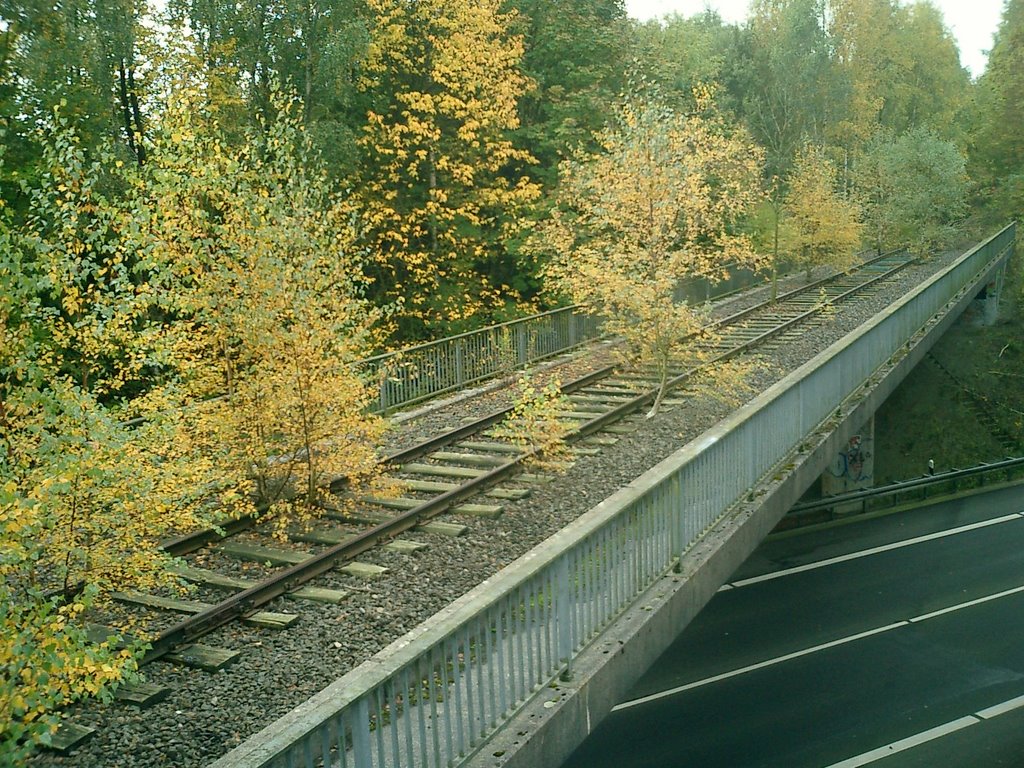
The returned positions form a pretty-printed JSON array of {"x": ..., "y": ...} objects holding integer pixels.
[{"x": 546, "y": 731}]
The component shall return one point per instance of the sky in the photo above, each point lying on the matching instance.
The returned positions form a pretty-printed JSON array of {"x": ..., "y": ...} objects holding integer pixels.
[{"x": 973, "y": 22}]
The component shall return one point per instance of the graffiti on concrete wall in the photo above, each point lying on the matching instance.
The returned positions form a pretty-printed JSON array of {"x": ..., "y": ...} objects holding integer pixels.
[{"x": 854, "y": 464}]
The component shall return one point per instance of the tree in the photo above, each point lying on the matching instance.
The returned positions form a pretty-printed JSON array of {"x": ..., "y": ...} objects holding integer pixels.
[
  {"x": 440, "y": 184},
  {"x": 656, "y": 205},
  {"x": 914, "y": 189},
  {"x": 85, "y": 494},
  {"x": 789, "y": 78},
  {"x": 575, "y": 56},
  {"x": 575, "y": 53},
  {"x": 875, "y": 183},
  {"x": 536, "y": 424},
  {"x": 863, "y": 34},
  {"x": 313, "y": 47},
  {"x": 168, "y": 353},
  {"x": 108, "y": 489},
  {"x": 771, "y": 228},
  {"x": 680, "y": 54},
  {"x": 998, "y": 149},
  {"x": 899, "y": 66},
  {"x": 81, "y": 55},
  {"x": 933, "y": 89},
  {"x": 825, "y": 225},
  {"x": 271, "y": 319}
]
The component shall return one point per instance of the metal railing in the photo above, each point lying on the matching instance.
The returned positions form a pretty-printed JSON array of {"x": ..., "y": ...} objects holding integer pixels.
[
  {"x": 426, "y": 370},
  {"x": 917, "y": 490},
  {"x": 411, "y": 375},
  {"x": 432, "y": 697}
]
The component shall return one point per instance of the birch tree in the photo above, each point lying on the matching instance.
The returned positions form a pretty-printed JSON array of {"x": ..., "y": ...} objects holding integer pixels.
[
  {"x": 85, "y": 493},
  {"x": 267, "y": 287},
  {"x": 656, "y": 205}
]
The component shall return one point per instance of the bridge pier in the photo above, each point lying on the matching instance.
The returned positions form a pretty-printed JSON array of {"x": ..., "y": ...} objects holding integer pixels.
[
  {"x": 984, "y": 310},
  {"x": 853, "y": 468}
]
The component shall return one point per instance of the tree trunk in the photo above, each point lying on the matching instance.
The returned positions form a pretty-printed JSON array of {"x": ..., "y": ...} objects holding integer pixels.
[
  {"x": 663, "y": 364},
  {"x": 126, "y": 111},
  {"x": 433, "y": 216},
  {"x": 775, "y": 258},
  {"x": 136, "y": 117}
]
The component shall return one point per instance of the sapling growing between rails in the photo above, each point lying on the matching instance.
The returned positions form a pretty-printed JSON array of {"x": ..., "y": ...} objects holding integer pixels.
[
  {"x": 536, "y": 423},
  {"x": 658, "y": 203}
]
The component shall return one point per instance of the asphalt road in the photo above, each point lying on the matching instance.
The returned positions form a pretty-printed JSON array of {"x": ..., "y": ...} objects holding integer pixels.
[{"x": 891, "y": 642}]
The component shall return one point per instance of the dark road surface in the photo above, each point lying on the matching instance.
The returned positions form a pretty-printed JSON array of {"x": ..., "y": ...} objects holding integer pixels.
[{"x": 895, "y": 641}]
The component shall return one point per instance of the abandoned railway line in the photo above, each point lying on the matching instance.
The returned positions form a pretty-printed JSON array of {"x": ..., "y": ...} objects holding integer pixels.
[{"x": 357, "y": 582}]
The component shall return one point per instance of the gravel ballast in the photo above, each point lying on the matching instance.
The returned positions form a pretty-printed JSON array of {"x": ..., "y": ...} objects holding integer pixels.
[{"x": 208, "y": 714}]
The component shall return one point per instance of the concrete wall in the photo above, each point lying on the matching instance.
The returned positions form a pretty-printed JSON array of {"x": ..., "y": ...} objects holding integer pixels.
[
  {"x": 546, "y": 731},
  {"x": 853, "y": 468}
]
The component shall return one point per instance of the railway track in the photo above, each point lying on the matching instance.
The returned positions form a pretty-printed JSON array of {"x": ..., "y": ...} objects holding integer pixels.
[{"x": 456, "y": 470}]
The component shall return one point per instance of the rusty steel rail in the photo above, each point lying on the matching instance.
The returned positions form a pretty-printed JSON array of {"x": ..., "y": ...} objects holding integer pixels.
[{"x": 246, "y": 602}]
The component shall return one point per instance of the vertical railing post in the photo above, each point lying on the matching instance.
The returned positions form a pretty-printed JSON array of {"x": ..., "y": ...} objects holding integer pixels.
[
  {"x": 677, "y": 519},
  {"x": 563, "y": 621},
  {"x": 382, "y": 381},
  {"x": 460, "y": 362},
  {"x": 521, "y": 344},
  {"x": 361, "y": 744}
]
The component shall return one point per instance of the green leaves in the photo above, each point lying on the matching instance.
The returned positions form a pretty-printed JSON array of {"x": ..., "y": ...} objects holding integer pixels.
[
  {"x": 914, "y": 189},
  {"x": 661, "y": 202},
  {"x": 997, "y": 152}
]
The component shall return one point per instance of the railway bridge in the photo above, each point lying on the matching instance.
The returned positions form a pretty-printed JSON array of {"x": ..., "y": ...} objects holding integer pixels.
[{"x": 518, "y": 671}]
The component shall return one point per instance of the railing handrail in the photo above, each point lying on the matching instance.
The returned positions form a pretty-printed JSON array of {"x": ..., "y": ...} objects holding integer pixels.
[
  {"x": 412, "y": 349},
  {"x": 421, "y": 371}
]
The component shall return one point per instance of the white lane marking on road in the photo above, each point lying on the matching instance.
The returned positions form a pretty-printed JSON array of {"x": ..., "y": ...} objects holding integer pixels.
[
  {"x": 813, "y": 649},
  {"x": 877, "y": 550},
  {"x": 752, "y": 667},
  {"x": 1001, "y": 709},
  {"x": 911, "y": 741},
  {"x": 968, "y": 604},
  {"x": 931, "y": 734}
]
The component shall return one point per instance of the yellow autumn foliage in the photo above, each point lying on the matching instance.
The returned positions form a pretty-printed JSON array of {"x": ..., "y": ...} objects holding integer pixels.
[
  {"x": 658, "y": 204},
  {"x": 270, "y": 292},
  {"x": 85, "y": 492},
  {"x": 440, "y": 187},
  {"x": 536, "y": 423},
  {"x": 183, "y": 352},
  {"x": 825, "y": 226}
]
